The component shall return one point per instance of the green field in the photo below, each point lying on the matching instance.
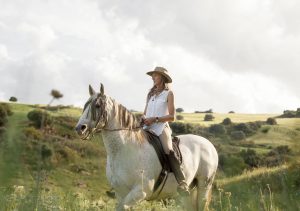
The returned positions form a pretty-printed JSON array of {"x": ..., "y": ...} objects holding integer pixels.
[{"x": 72, "y": 176}]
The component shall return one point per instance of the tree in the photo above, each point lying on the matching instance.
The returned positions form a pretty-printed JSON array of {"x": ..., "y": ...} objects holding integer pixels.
[
  {"x": 13, "y": 99},
  {"x": 56, "y": 95},
  {"x": 179, "y": 110}
]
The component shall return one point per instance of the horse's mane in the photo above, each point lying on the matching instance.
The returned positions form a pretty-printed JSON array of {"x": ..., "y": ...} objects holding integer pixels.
[{"x": 128, "y": 120}]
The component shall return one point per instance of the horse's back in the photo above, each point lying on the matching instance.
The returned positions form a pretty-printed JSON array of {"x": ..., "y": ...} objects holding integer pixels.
[{"x": 199, "y": 153}]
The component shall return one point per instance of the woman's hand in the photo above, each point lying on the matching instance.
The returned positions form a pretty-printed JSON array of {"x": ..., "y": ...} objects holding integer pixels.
[{"x": 149, "y": 121}]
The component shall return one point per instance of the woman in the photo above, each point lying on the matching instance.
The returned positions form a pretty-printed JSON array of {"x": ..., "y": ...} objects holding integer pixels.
[{"x": 158, "y": 112}]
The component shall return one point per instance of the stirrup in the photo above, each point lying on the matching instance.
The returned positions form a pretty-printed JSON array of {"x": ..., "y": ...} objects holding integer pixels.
[{"x": 183, "y": 189}]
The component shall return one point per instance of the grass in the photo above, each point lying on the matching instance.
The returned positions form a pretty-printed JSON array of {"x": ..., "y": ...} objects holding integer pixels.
[
  {"x": 62, "y": 187},
  {"x": 198, "y": 118}
]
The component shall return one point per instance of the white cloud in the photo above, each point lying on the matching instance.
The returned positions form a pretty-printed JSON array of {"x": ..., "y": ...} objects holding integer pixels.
[{"x": 233, "y": 55}]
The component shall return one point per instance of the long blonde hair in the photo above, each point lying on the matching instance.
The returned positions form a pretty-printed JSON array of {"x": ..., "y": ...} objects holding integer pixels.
[{"x": 152, "y": 91}]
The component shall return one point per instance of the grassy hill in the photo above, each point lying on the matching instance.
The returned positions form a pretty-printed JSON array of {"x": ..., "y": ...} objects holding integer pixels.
[{"x": 51, "y": 169}]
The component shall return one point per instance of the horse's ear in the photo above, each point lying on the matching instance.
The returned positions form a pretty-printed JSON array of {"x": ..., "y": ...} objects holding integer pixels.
[
  {"x": 91, "y": 90},
  {"x": 101, "y": 89}
]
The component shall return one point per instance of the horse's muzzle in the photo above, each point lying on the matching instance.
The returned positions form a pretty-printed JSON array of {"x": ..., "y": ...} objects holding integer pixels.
[{"x": 81, "y": 129}]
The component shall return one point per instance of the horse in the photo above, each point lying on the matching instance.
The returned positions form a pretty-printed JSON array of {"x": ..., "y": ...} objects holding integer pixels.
[{"x": 132, "y": 164}]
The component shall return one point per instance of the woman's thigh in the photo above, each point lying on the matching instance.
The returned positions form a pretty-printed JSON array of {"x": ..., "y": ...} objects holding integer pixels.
[{"x": 166, "y": 140}]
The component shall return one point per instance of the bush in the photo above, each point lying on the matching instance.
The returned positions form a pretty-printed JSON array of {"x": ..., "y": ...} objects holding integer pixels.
[
  {"x": 282, "y": 150},
  {"x": 46, "y": 152},
  {"x": 226, "y": 121},
  {"x": 3, "y": 116},
  {"x": 13, "y": 99},
  {"x": 178, "y": 127},
  {"x": 231, "y": 164},
  {"x": 4, "y": 112},
  {"x": 250, "y": 157},
  {"x": 231, "y": 112},
  {"x": 208, "y": 117},
  {"x": 244, "y": 127},
  {"x": 265, "y": 129},
  {"x": 37, "y": 116},
  {"x": 238, "y": 135},
  {"x": 217, "y": 129},
  {"x": 33, "y": 133},
  {"x": 179, "y": 117},
  {"x": 271, "y": 121}
]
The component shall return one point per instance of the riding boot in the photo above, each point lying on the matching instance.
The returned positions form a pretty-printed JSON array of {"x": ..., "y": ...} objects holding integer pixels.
[{"x": 183, "y": 188}]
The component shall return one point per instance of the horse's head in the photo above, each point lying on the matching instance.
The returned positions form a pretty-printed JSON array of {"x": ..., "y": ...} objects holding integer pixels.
[{"x": 94, "y": 115}]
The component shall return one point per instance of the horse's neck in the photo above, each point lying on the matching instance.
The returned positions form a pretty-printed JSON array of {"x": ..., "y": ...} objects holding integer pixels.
[{"x": 118, "y": 118}]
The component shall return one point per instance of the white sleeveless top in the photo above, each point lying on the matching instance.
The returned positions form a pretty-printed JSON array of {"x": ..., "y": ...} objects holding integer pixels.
[{"x": 157, "y": 106}]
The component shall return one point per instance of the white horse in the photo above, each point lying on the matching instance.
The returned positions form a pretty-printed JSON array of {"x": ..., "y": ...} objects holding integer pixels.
[{"x": 132, "y": 163}]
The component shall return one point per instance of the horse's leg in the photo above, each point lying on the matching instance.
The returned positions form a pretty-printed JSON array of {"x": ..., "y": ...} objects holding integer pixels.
[
  {"x": 135, "y": 195},
  {"x": 204, "y": 193},
  {"x": 190, "y": 202}
]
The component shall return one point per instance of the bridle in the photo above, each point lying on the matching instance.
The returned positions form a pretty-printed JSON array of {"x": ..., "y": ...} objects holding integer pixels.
[{"x": 100, "y": 105}]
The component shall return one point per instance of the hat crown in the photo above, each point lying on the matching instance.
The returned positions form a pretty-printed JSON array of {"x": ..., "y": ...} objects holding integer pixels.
[
  {"x": 160, "y": 69},
  {"x": 163, "y": 72}
]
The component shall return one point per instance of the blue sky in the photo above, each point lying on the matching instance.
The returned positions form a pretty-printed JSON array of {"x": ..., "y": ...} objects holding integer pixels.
[{"x": 224, "y": 55}]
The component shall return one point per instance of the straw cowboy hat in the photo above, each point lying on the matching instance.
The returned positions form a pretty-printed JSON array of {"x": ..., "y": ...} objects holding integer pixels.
[{"x": 163, "y": 72}]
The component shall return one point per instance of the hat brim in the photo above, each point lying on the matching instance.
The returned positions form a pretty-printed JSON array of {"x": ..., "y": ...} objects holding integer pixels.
[{"x": 169, "y": 79}]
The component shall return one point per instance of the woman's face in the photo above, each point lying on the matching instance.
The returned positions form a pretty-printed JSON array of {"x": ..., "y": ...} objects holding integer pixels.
[{"x": 157, "y": 79}]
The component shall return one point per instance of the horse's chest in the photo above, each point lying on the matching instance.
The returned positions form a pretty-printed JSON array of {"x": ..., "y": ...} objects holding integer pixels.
[{"x": 121, "y": 171}]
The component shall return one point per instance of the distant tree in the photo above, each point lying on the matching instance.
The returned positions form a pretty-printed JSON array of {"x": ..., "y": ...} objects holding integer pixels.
[
  {"x": 231, "y": 112},
  {"x": 179, "y": 110},
  {"x": 208, "y": 117},
  {"x": 55, "y": 95},
  {"x": 13, "y": 99}
]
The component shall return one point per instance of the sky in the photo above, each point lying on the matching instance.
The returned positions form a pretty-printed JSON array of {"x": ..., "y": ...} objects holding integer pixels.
[{"x": 232, "y": 55}]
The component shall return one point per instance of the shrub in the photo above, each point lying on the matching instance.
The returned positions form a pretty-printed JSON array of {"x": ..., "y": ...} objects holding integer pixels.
[
  {"x": 37, "y": 116},
  {"x": 178, "y": 127},
  {"x": 179, "y": 117},
  {"x": 217, "y": 129},
  {"x": 3, "y": 116},
  {"x": 271, "y": 121},
  {"x": 2, "y": 130},
  {"x": 208, "y": 117},
  {"x": 46, "y": 152},
  {"x": 231, "y": 164},
  {"x": 265, "y": 129},
  {"x": 238, "y": 135},
  {"x": 244, "y": 127},
  {"x": 282, "y": 150},
  {"x": 250, "y": 157},
  {"x": 4, "y": 112},
  {"x": 226, "y": 121},
  {"x": 33, "y": 133}
]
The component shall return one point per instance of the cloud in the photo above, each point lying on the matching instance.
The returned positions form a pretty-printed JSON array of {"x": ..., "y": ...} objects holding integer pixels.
[{"x": 233, "y": 55}]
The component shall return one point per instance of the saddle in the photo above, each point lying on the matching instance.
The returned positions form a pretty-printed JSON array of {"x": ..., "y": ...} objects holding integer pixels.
[{"x": 153, "y": 139}]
